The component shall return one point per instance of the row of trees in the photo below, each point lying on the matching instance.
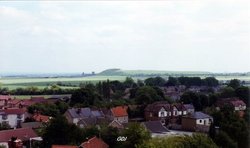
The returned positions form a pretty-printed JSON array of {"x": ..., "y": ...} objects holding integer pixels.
[{"x": 187, "y": 81}]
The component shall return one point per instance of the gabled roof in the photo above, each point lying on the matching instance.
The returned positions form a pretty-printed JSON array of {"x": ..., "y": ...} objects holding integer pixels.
[
  {"x": 85, "y": 113},
  {"x": 235, "y": 102},
  {"x": 155, "y": 127},
  {"x": 63, "y": 146},
  {"x": 119, "y": 111},
  {"x": 198, "y": 115},
  {"x": 15, "y": 111},
  {"x": 21, "y": 133},
  {"x": 94, "y": 143},
  {"x": 189, "y": 106}
]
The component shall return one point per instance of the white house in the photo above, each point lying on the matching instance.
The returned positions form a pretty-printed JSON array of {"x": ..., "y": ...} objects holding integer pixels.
[{"x": 13, "y": 117}]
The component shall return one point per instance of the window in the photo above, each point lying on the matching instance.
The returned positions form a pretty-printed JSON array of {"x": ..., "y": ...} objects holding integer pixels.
[
  {"x": 200, "y": 121},
  {"x": 161, "y": 114},
  {"x": 19, "y": 116},
  {"x": 150, "y": 114},
  {"x": 4, "y": 117}
]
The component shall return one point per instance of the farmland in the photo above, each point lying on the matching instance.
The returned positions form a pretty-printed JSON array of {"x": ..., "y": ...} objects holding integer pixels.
[{"x": 73, "y": 82}]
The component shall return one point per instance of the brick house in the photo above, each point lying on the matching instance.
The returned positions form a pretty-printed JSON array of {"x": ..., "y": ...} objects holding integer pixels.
[
  {"x": 165, "y": 112},
  {"x": 198, "y": 122}
]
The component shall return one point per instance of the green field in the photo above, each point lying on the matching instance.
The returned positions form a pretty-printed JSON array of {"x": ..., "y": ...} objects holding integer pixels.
[{"x": 13, "y": 83}]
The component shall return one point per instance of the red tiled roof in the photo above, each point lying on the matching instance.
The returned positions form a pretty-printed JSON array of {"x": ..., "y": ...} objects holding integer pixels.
[
  {"x": 63, "y": 146},
  {"x": 119, "y": 111},
  {"x": 41, "y": 118},
  {"x": 12, "y": 111},
  {"x": 94, "y": 143},
  {"x": 21, "y": 133}
]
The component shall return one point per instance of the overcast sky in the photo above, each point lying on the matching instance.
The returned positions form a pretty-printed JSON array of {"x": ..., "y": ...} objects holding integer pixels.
[{"x": 187, "y": 35}]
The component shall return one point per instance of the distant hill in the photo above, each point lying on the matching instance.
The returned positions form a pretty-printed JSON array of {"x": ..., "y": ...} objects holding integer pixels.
[{"x": 120, "y": 72}]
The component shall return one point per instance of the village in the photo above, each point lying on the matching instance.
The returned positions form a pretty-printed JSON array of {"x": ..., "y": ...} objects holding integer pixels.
[{"x": 173, "y": 114}]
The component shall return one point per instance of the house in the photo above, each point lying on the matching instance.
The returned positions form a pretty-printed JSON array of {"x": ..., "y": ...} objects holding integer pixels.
[
  {"x": 119, "y": 113},
  {"x": 94, "y": 142},
  {"x": 155, "y": 128},
  {"x": 236, "y": 103},
  {"x": 84, "y": 117},
  {"x": 23, "y": 134},
  {"x": 165, "y": 112},
  {"x": 14, "y": 117},
  {"x": 198, "y": 122}
]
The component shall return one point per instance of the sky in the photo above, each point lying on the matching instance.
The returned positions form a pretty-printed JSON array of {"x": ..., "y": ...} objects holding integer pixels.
[{"x": 178, "y": 35}]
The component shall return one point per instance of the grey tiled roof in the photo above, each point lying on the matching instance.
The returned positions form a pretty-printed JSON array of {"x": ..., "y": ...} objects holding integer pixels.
[
  {"x": 199, "y": 115},
  {"x": 84, "y": 113},
  {"x": 155, "y": 127}
]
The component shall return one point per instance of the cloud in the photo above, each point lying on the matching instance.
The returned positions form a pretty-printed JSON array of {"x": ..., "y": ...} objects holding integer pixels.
[{"x": 171, "y": 35}]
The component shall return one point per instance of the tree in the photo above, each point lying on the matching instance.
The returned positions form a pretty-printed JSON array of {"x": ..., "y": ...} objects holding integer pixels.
[
  {"x": 224, "y": 141},
  {"x": 60, "y": 132},
  {"x": 243, "y": 93},
  {"x": 128, "y": 82},
  {"x": 211, "y": 81},
  {"x": 234, "y": 83},
  {"x": 172, "y": 81},
  {"x": 4, "y": 126},
  {"x": 147, "y": 95},
  {"x": 227, "y": 92},
  {"x": 195, "y": 141},
  {"x": 84, "y": 96},
  {"x": 157, "y": 81},
  {"x": 109, "y": 135},
  {"x": 136, "y": 134}
]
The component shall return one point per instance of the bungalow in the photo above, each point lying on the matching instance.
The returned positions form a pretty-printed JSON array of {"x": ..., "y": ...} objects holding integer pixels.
[
  {"x": 198, "y": 122},
  {"x": 23, "y": 134},
  {"x": 13, "y": 117}
]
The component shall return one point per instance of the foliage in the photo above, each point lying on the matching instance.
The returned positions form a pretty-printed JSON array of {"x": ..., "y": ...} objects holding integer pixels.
[
  {"x": 195, "y": 141},
  {"x": 157, "y": 81},
  {"x": 227, "y": 92},
  {"x": 109, "y": 135},
  {"x": 136, "y": 134},
  {"x": 84, "y": 96},
  {"x": 4, "y": 126},
  {"x": 147, "y": 95},
  {"x": 234, "y": 83},
  {"x": 243, "y": 93},
  {"x": 49, "y": 109}
]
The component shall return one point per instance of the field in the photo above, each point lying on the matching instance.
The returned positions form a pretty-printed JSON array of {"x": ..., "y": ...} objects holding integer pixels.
[{"x": 13, "y": 83}]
